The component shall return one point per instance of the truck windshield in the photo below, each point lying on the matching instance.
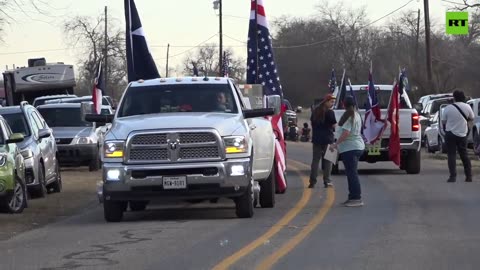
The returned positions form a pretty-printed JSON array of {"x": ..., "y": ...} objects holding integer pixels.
[
  {"x": 383, "y": 97},
  {"x": 17, "y": 123},
  {"x": 178, "y": 98},
  {"x": 63, "y": 117}
]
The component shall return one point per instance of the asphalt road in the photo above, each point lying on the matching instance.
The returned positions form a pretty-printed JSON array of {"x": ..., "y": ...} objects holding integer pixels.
[{"x": 408, "y": 222}]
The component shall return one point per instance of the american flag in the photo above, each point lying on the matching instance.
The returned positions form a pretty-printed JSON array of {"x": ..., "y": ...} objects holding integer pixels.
[
  {"x": 374, "y": 124},
  {"x": 403, "y": 85},
  {"x": 97, "y": 92},
  {"x": 332, "y": 84},
  {"x": 225, "y": 65},
  {"x": 261, "y": 69}
]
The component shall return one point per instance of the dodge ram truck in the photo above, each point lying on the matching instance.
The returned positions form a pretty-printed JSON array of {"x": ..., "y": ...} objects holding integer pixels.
[{"x": 186, "y": 139}]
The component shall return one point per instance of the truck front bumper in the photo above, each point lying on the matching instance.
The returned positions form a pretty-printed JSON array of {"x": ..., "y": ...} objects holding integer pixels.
[{"x": 205, "y": 180}]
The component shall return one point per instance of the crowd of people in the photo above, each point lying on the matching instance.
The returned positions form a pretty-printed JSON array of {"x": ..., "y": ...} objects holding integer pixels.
[{"x": 350, "y": 145}]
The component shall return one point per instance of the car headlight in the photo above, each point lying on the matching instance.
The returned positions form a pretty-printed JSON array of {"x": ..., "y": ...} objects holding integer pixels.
[
  {"x": 235, "y": 145},
  {"x": 3, "y": 160},
  {"x": 27, "y": 153},
  {"x": 83, "y": 140},
  {"x": 113, "y": 149}
]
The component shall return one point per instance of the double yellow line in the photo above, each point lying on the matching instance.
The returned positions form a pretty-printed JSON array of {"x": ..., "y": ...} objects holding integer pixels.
[{"x": 268, "y": 262}]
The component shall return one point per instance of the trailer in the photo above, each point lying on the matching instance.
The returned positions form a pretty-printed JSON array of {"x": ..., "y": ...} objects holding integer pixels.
[{"x": 38, "y": 79}]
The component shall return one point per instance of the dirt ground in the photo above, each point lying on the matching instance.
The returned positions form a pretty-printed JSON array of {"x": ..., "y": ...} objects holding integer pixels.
[{"x": 78, "y": 194}]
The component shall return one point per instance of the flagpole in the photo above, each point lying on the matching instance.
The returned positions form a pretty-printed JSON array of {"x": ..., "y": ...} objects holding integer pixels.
[
  {"x": 106, "y": 54},
  {"x": 168, "y": 52},
  {"x": 256, "y": 41}
]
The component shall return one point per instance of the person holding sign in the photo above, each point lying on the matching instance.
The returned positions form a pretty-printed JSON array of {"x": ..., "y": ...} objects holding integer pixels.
[
  {"x": 351, "y": 147},
  {"x": 323, "y": 126}
]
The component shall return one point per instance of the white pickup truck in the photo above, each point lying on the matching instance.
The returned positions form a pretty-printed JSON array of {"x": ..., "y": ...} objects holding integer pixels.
[
  {"x": 409, "y": 128},
  {"x": 189, "y": 139}
]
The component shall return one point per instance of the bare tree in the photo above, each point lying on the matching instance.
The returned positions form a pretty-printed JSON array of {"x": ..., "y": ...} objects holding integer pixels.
[
  {"x": 467, "y": 4},
  {"x": 87, "y": 34},
  {"x": 205, "y": 58}
]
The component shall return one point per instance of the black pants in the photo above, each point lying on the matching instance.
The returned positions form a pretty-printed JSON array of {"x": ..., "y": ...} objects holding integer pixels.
[{"x": 454, "y": 144}]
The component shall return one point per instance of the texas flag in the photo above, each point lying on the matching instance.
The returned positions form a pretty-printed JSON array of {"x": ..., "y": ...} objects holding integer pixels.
[
  {"x": 97, "y": 92},
  {"x": 374, "y": 124}
]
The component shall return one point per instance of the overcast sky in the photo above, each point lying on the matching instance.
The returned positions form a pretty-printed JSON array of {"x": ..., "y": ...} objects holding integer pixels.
[{"x": 182, "y": 23}]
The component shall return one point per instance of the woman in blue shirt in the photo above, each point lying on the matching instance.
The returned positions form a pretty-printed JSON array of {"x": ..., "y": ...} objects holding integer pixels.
[{"x": 351, "y": 147}]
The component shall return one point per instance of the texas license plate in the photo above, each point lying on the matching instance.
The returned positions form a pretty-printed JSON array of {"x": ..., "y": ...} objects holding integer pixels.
[{"x": 174, "y": 182}]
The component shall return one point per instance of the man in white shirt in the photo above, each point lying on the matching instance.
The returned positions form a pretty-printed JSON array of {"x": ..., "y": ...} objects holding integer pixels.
[{"x": 456, "y": 119}]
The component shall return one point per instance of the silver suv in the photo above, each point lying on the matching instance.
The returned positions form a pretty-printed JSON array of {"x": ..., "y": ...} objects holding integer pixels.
[{"x": 42, "y": 170}]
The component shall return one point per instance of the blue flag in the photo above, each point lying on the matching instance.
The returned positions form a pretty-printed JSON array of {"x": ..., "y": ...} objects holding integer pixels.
[
  {"x": 139, "y": 60},
  {"x": 332, "y": 84}
]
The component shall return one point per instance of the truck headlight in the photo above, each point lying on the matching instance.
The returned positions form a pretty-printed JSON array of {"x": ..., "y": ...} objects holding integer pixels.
[
  {"x": 83, "y": 140},
  {"x": 113, "y": 149},
  {"x": 27, "y": 153},
  {"x": 235, "y": 145},
  {"x": 3, "y": 160}
]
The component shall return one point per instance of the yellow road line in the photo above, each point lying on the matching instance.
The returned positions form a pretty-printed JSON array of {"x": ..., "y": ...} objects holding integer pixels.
[
  {"x": 268, "y": 262},
  {"x": 226, "y": 263}
]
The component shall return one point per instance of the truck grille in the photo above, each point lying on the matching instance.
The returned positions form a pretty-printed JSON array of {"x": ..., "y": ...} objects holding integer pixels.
[{"x": 174, "y": 147}]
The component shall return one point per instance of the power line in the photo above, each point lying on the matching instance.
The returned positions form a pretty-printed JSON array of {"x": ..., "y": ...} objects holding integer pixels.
[
  {"x": 178, "y": 54},
  {"x": 334, "y": 38}
]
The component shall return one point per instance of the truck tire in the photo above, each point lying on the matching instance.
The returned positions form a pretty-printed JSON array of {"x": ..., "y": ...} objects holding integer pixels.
[
  {"x": 244, "y": 203},
  {"x": 137, "y": 206},
  {"x": 113, "y": 210},
  {"x": 413, "y": 162},
  {"x": 267, "y": 189}
]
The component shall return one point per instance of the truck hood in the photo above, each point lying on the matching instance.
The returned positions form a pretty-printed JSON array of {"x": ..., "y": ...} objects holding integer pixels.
[
  {"x": 224, "y": 123},
  {"x": 71, "y": 132}
]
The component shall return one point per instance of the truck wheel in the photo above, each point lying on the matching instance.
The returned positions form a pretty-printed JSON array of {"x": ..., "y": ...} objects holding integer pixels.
[
  {"x": 267, "y": 189},
  {"x": 113, "y": 210},
  {"x": 335, "y": 170},
  {"x": 137, "y": 206},
  {"x": 413, "y": 162},
  {"x": 244, "y": 203}
]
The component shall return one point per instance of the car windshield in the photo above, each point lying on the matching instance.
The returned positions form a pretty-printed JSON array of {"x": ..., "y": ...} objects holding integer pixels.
[
  {"x": 17, "y": 123},
  {"x": 63, "y": 117},
  {"x": 178, "y": 98},
  {"x": 383, "y": 97}
]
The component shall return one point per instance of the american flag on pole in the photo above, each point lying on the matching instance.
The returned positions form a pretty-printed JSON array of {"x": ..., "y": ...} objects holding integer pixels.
[
  {"x": 261, "y": 69},
  {"x": 374, "y": 124},
  {"x": 97, "y": 92},
  {"x": 225, "y": 65}
]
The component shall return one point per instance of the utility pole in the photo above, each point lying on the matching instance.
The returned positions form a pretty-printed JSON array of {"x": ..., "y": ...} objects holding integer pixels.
[
  {"x": 168, "y": 52},
  {"x": 106, "y": 54},
  {"x": 221, "y": 37},
  {"x": 427, "y": 44},
  {"x": 418, "y": 36}
]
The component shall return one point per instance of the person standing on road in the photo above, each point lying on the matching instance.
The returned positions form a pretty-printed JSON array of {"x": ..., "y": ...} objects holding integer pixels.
[
  {"x": 351, "y": 146},
  {"x": 323, "y": 125},
  {"x": 456, "y": 119}
]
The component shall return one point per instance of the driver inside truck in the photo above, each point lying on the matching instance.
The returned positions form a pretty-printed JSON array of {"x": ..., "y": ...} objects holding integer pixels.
[{"x": 221, "y": 104}]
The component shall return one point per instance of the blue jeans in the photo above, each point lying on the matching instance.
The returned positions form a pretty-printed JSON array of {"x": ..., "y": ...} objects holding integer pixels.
[{"x": 350, "y": 161}]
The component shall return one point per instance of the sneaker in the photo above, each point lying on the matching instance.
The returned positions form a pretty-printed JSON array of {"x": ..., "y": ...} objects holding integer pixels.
[
  {"x": 451, "y": 180},
  {"x": 468, "y": 179},
  {"x": 327, "y": 184},
  {"x": 354, "y": 203},
  {"x": 311, "y": 185}
]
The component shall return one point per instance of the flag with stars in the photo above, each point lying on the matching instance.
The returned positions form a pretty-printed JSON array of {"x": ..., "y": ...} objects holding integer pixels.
[
  {"x": 332, "y": 84},
  {"x": 139, "y": 60},
  {"x": 261, "y": 69}
]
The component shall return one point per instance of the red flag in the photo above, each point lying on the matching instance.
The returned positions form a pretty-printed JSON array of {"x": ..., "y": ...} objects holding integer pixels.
[
  {"x": 280, "y": 150},
  {"x": 393, "y": 118}
]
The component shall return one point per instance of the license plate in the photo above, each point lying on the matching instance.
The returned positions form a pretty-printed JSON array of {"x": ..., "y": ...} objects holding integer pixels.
[
  {"x": 174, "y": 182},
  {"x": 374, "y": 150}
]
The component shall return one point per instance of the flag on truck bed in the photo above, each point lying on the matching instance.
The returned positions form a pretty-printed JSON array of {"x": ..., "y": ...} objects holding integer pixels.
[
  {"x": 261, "y": 69},
  {"x": 374, "y": 124},
  {"x": 393, "y": 118},
  {"x": 139, "y": 60},
  {"x": 97, "y": 92}
]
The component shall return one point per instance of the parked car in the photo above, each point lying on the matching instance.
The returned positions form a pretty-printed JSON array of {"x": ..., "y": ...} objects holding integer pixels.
[
  {"x": 41, "y": 100},
  {"x": 475, "y": 104},
  {"x": 422, "y": 102},
  {"x": 434, "y": 136},
  {"x": 430, "y": 110},
  {"x": 290, "y": 114},
  {"x": 76, "y": 139},
  {"x": 13, "y": 191},
  {"x": 39, "y": 150}
]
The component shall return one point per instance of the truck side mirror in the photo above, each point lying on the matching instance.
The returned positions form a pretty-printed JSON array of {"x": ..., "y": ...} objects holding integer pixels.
[{"x": 274, "y": 102}]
